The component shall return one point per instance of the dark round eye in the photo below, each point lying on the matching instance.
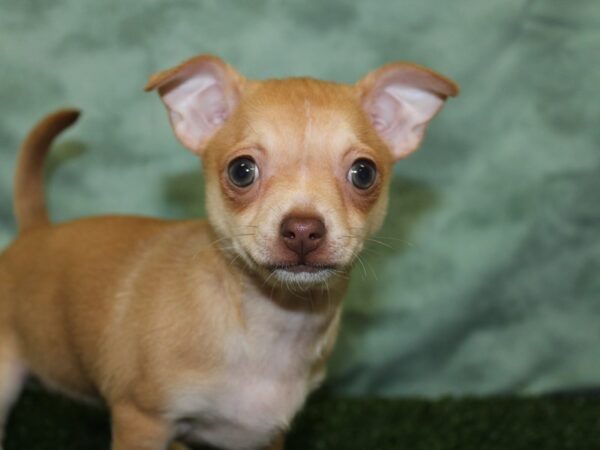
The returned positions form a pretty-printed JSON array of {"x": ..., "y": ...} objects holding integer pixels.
[
  {"x": 362, "y": 174},
  {"x": 242, "y": 171}
]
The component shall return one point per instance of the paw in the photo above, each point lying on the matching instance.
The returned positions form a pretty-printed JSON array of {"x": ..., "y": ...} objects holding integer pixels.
[{"x": 174, "y": 446}]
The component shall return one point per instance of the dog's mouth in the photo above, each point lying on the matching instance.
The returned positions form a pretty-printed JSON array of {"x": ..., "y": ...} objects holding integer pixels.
[
  {"x": 302, "y": 267},
  {"x": 301, "y": 274},
  {"x": 298, "y": 273}
]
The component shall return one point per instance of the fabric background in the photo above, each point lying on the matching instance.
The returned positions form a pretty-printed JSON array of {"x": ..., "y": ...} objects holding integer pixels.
[{"x": 492, "y": 281}]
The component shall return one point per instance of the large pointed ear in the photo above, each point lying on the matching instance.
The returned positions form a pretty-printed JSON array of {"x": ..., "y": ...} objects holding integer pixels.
[
  {"x": 401, "y": 99},
  {"x": 200, "y": 94}
]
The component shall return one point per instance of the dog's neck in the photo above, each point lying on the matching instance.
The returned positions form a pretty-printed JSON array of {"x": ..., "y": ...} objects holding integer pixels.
[{"x": 280, "y": 309}]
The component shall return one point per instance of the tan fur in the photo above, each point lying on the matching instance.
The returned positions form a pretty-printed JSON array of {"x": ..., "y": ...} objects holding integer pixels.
[
  {"x": 30, "y": 207},
  {"x": 167, "y": 320}
]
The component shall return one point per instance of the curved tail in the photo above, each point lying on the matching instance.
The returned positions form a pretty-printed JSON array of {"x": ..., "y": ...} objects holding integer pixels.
[{"x": 29, "y": 200}]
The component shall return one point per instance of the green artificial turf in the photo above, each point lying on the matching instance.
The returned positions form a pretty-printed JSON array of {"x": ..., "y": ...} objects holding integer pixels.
[{"x": 44, "y": 421}]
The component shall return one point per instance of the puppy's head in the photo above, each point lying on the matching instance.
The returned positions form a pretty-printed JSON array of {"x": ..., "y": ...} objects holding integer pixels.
[{"x": 297, "y": 170}]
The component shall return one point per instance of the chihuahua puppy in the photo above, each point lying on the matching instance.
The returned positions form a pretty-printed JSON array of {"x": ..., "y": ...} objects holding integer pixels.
[{"x": 212, "y": 332}]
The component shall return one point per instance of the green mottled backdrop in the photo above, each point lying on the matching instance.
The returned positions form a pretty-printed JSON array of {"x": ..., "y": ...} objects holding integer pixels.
[{"x": 492, "y": 281}]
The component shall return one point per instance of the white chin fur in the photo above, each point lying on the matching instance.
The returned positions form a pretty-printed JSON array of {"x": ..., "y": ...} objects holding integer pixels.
[{"x": 302, "y": 279}]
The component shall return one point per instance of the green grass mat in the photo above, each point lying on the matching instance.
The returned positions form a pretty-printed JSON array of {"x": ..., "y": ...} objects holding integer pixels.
[{"x": 44, "y": 421}]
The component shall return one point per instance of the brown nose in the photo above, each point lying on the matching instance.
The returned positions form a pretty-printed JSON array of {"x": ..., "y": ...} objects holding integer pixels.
[{"x": 302, "y": 235}]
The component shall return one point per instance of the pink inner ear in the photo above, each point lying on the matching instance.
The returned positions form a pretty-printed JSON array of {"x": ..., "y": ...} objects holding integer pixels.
[
  {"x": 384, "y": 112},
  {"x": 211, "y": 104},
  {"x": 197, "y": 106},
  {"x": 400, "y": 112}
]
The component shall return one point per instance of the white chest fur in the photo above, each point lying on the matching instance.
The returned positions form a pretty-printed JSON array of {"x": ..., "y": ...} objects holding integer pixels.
[{"x": 265, "y": 380}]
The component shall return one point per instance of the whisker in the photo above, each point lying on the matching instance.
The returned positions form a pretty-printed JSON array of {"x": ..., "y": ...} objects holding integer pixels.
[
  {"x": 362, "y": 264},
  {"x": 329, "y": 304},
  {"x": 269, "y": 277},
  {"x": 404, "y": 241},
  {"x": 371, "y": 251},
  {"x": 234, "y": 259},
  {"x": 372, "y": 270},
  {"x": 380, "y": 243},
  {"x": 340, "y": 274}
]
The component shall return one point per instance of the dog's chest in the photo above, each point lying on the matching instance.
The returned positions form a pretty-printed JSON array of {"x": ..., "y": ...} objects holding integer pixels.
[{"x": 263, "y": 384}]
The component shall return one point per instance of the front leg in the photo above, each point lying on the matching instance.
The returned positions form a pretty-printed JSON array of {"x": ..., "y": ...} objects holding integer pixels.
[
  {"x": 178, "y": 446},
  {"x": 134, "y": 429},
  {"x": 279, "y": 443}
]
